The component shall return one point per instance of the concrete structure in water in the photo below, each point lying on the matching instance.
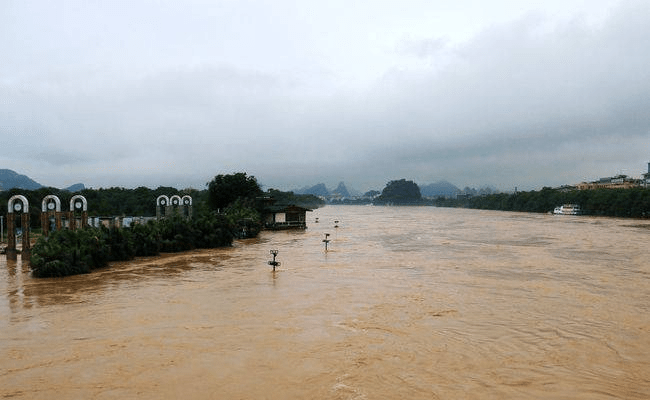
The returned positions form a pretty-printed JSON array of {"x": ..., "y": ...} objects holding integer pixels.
[
  {"x": 51, "y": 215},
  {"x": 78, "y": 217},
  {"x": 52, "y": 218},
  {"x": 18, "y": 209}
]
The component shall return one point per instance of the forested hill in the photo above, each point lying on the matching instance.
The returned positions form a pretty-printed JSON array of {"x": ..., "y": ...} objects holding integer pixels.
[{"x": 11, "y": 179}]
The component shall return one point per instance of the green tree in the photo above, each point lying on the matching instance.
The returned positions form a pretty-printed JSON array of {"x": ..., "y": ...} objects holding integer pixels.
[
  {"x": 400, "y": 192},
  {"x": 290, "y": 198},
  {"x": 225, "y": 189}
]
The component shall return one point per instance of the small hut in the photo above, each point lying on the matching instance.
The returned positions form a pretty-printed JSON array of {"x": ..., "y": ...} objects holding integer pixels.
[{"x": 285, "y": 217}]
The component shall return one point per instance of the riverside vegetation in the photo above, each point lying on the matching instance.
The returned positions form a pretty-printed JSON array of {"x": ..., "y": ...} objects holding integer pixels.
[
  {"x": 623, "y": 203},
  {"x": 66, "y": 252},
  {"x": 229, "y": 209}
]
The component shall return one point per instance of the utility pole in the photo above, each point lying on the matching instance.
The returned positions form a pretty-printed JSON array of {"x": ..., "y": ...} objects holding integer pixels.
[{"x": 2, "y": 228}]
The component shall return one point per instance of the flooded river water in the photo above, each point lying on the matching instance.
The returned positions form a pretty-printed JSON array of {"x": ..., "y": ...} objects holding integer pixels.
[{"x": 408, "y": 303}]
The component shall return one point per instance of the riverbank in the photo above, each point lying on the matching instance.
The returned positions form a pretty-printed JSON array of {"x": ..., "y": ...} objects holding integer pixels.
[{"x": 621, "y": 203}]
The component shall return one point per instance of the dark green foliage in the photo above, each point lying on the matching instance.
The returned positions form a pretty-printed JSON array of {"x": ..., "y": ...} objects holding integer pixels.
[
  {"x": 120, "y": 201},
  {"x": 120, "y": 243},
  {"x": 290, "y": 198},
  {"x": 401, "y": 192},
  {"x": 212, "y": 230},
  {"x": 225, "y": 189},
  {"x": 628, "y": 203},
  {"x": 176, "y": 235},
  {"x": 206, "y": 230},
  {"x": 103, "y": 202},
  {"x": 146, "y": 239},
  {"x": 244, "y": 218},
  {"x": 67, "y": 252},
  {"x": 141, "y": 201}
]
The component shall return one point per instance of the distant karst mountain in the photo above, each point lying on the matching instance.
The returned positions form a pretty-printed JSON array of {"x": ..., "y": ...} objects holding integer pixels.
[
  {"x": 317, "y": 190},
  {"x": 437, "y": 189},
  {"x": 12, "y": 180},
  {"x": 441, "y": 188},
  {"x": 322, "y": 190},
  {"x": 77, "y": 187},
  {"x": 341, "y": 190}
]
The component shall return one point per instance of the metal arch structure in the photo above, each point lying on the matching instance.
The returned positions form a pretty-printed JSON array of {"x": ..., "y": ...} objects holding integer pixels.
[
  {"x": 162, "y": 204},
  {"x": 78, "y": 203},
  {"x": 186, "y": 204},
  {"x": 50, "y": 209},
  {"x": 74, "y": 204},
  {"x": 175, "y": 201},
  {"x": 18, "y": 205},
  {"x": 175, "y": 206}
]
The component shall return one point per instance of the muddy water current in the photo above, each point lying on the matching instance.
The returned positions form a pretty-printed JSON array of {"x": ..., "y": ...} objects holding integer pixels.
[{"x": 408, "y": 303}]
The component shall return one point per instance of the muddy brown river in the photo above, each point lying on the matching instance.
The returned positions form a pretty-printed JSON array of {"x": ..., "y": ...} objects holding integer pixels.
[{"x": 407, "y": 303}]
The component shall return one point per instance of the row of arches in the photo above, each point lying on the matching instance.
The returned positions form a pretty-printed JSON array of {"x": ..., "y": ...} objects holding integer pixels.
[
  {"x": 51, "y": 218},
  {"x": 167, "y": 206}
]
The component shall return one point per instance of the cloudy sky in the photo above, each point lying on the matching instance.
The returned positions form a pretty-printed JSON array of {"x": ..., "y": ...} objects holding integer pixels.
[{"x": 163, "y": 92}]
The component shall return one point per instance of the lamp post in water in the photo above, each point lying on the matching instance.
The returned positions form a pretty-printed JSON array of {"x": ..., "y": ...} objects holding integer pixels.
[
  {"x": 326, "y": 240},
  {"x": 2, "y": 228},
  {"x": 274, "y": 263}
]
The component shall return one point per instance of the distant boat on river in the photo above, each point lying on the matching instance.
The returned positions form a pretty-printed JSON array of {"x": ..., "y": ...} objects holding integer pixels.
[{"x": 567, "y": 209}]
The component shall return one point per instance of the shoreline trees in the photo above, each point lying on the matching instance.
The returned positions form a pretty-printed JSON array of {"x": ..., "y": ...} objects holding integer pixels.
[
  {"x": 625, "y": 203},
  {"x": 230, "y": 208}
]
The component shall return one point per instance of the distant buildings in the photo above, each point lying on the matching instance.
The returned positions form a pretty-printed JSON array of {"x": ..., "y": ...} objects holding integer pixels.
[{"x": 617, "y": 182}]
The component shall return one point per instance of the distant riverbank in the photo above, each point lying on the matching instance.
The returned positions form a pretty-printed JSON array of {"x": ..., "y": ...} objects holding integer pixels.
[{"x": 624, "y": 203}]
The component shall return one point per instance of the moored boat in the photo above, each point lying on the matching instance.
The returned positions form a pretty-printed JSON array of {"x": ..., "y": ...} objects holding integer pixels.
[{"x": 567, "y": 209}]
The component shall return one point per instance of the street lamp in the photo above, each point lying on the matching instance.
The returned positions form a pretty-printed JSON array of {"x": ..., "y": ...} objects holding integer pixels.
[{"x": 274, "y": 263}]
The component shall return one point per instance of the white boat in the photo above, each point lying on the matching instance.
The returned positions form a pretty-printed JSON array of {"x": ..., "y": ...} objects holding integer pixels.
[{"x": 567, "y": 209}]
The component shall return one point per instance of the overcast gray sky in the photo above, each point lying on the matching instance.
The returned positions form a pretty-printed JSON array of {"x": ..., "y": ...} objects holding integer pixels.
[{"x": 160, "y": 92}]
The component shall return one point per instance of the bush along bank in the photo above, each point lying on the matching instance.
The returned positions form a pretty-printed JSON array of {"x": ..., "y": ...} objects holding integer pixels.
[{"x": 67, "y": 252}]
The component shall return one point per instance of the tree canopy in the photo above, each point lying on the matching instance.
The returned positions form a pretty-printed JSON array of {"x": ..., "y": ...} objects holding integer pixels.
[
  {"x": 225, "y": 189},
  {"x": 400, "y": 192}
]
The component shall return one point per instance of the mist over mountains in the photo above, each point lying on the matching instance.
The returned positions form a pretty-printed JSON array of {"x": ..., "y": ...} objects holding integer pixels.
[
  {"x": 441, "y": 188},
  {"x": 12, "y": 180},
  {"x": 437, "y": 189}
]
